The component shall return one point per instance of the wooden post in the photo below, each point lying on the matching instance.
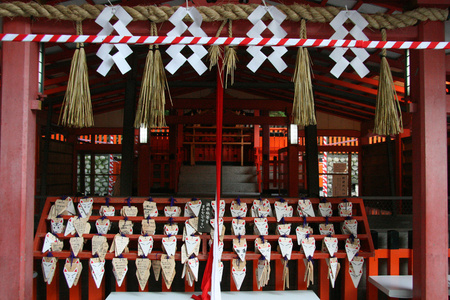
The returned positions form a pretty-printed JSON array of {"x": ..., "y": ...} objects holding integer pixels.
[
  {"x": 312, "y": 160},
  {"x": 144, "y": 170},
  {"x": 293, "y": 170},
  {"x": 429, "y": 133},
  {"x": 265, "y": 154},
  {"x": 18, "y": 161},
  {"x": 126, "y": 172}
]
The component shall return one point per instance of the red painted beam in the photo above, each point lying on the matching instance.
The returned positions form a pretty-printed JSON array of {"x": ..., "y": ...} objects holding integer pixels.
[
  {"x": 18, "y": 161},
  {"x": 429, "y": 134}
]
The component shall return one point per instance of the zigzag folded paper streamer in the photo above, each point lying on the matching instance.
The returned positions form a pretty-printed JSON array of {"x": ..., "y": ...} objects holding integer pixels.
[
  {"x": 278, "y": 32},
  {"x": 174, "y": 51},
  {"x": 357, "y": 32},
  {"x": 123, "y": 51}
]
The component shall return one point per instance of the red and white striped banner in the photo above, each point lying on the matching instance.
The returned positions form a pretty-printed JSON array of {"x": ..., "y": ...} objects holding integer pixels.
[{"x": 230, "y": 41}]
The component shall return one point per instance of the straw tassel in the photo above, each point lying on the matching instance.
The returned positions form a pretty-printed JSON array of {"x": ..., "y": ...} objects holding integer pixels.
[
  {"x": 77, "y": 107},
  {"x": 152, "y": 98},
  {"x": 214, "y": 52},
  {"x": 303, "y": 112},
  {"x": 230, "y": 58},
  {"x": 388, "y": 114}
]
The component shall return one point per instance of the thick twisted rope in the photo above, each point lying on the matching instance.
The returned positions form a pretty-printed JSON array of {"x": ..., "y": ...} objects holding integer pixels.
[{"x": 233, "y": 12}]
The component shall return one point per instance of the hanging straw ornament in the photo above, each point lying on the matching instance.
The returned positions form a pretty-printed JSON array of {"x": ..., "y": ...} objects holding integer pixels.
[
  {"x": 230, "y": 58},
  {"x": 388, "y": 114},
  {"x": 77, "y": 107},
  {"x": 303, "y": 112},
  {"x": 214, "y": 52},
  {"x": 152, "y": 98}
]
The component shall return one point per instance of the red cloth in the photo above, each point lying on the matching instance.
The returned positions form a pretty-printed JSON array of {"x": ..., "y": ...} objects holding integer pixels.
[{"x": 206, "y": 282}]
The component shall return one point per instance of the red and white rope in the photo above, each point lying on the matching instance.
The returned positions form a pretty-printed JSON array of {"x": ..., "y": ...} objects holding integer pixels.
[
  {"x": 325, "y": 169},
  {"x": 231, "y": 41},
  {"x": 111, "y": 180}
]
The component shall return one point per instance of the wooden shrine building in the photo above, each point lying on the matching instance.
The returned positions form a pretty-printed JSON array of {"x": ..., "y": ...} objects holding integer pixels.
[{"x": 263, "y": 155}]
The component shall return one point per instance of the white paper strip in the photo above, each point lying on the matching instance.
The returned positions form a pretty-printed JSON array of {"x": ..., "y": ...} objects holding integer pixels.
[
  {"x": 255, "y": 32},
  {"x": 123, "y": 50},
  {"x": 341, "y": 32}
]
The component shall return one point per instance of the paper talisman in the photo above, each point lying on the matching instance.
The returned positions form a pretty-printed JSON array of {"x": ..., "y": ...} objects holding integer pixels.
[
  {"x": 221, "y": 208},
  {"x": 85, "y": 207},
  {"x": 309, "y": 246},
  {"x": 261, "y": 226},
  {"x": 107, "y": 211},
  {"x": 97, "y": 267},
  {"x": 238, "y": 210},
  {"x": 70, "y": 229},
  {"x": 126, "y": 227},
  {"x": 345, "y": 209},
  {"x": 283, "y": 229},
  {"x": 72, "y": 271},
  {"x": 129, "y": 211},
  {"x": 120, "y": 269},
  {"x": 145, "y": 243},
  {"x": 156, "y": 266},
  {"x": 48, "y": 268},
  {"x": 352, "y": 248},
  {"x": 240, "y": 247},
  {"x": 238, "y": 271},
  {"x": 285, "y": 246},
  {"x": 263, "y": 247},
  {"x": 48, "y": 241},
  {"x": 302, "y": 232},
  {"x": 192, "y": 208},
  {"x": 57, "y": 225},
  {"x": 325, "y": 229},
  {"x": 172, "y": 211},
  {"x": 333, "y": 269},
  {"x": 150, "y": 209},
  {"x": 168, "y": 269},
  {"x": 238, "y": 226},
  {"x": 57, "y": 246},
  {"x": 192, "y": 245},
  {"x": 355, "y": 275},
  {"x": 325, "y": 209},
  {"x": 350, "y": 227},
  {"x": 193, "y": 265},
  {"x": 331, "y": 245},
  {"x": 148, "y": 226},
  {"x": 103, "y": 226},
  {"x": 169, "y": 245},
  {"x": 170, "y": 229},
  {"x": 120, "y": 243},
  {"x": 76, "y": 244},
  {"x": 81, "y": 225},
  {"x": 143, "y": 271},
  {"x": 305, "y": 206}
]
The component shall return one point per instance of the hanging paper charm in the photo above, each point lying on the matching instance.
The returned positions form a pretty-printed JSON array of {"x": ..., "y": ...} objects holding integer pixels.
[
  {"x": 123, "y": 50},
  {"x": 174, "y": 51},
  {"x": 341, "y": 32},
  {"x": 278, "y": 32}
]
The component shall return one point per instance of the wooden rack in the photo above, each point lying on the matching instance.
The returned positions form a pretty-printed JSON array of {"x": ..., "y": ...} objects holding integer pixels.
[{"x": 367, "y": 248}]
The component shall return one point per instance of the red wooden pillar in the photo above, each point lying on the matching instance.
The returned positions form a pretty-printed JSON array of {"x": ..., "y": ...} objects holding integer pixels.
[
  {"x": 324, "y": 283},
  {"x": 348, "y": 291},
  {"x": 265, "y": 153},
  {"x": 17, "y": 151},
  {"x": 429, "y": 133}
]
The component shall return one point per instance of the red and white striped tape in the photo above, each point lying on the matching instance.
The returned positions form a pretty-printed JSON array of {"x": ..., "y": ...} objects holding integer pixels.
[
  {"x": 325, "y": 169},
  {"x": 111, "y": 180},
  {"x": 231, "y": 41}
]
